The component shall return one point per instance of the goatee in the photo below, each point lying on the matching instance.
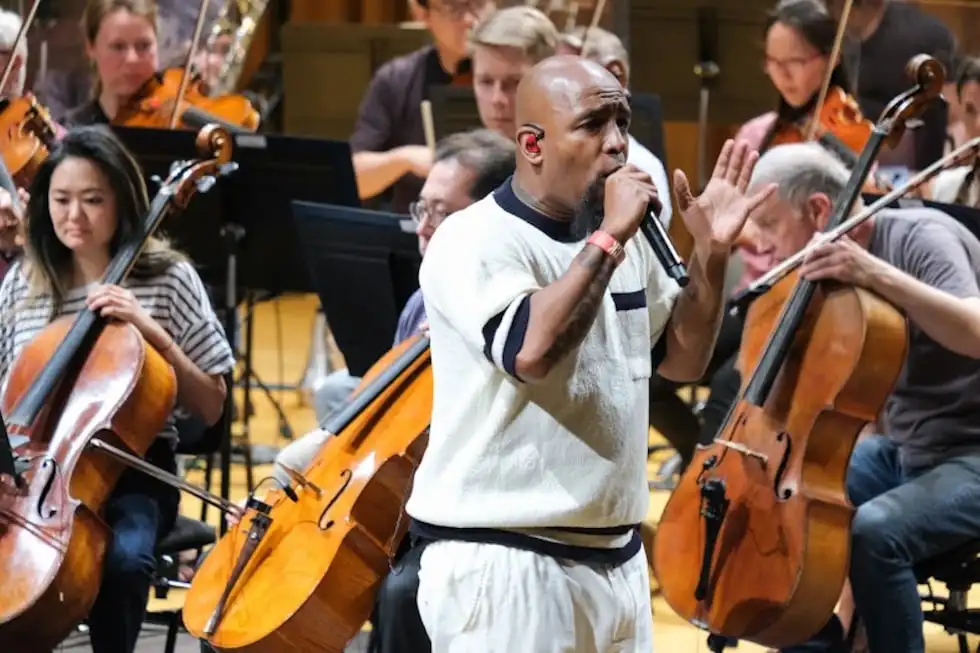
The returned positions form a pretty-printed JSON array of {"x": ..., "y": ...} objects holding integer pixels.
[{"x": 590, "y": 210}]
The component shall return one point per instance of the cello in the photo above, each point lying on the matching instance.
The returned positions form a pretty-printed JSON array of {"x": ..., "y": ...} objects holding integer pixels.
[
  {"x": 753, "y": 543},
  {"x": 82, "y": 388},
  {"x": 301, "y": 569}
]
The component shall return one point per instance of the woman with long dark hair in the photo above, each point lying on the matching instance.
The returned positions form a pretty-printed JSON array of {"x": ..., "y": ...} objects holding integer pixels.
[{"x": 87, "y": 200}]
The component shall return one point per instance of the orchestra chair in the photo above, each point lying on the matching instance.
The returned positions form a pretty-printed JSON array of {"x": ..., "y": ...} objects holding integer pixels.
[
  {"x": 196, "y": 439},
  {"x": 959, "y": 570},
  {"x": 187, "y": 535},
  {"x": 200, "y": 441}
]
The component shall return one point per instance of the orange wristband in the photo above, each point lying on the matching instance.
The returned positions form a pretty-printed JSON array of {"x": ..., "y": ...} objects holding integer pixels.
[{"x": 609, "y": 245}]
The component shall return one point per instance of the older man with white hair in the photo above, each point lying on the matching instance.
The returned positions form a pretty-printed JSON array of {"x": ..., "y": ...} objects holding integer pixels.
[{"x": 917, "y": 484}]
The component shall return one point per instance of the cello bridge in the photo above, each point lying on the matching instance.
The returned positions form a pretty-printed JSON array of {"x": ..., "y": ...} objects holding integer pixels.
[{"x": 742, "y": 449}]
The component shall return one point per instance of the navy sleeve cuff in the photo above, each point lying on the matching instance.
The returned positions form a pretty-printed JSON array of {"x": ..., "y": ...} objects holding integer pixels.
[{"x": 514, "y": 339}]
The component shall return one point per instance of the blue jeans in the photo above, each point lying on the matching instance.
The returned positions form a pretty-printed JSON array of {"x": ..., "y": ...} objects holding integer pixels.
[
  {"x": 140, "y": 511},
  {"x": 903, "y": 517}
]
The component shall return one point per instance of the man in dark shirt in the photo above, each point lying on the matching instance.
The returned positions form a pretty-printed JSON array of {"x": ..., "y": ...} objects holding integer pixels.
[
  {"x": 885, "y": 35},
  {"x": 916, "y": 486},
  {"x": 388, "y": 140}
]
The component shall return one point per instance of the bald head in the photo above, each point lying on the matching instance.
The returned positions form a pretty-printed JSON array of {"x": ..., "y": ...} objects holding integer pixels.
[
  {"x": 572, "y": 118},
  {"x": 561, "y": 83}
]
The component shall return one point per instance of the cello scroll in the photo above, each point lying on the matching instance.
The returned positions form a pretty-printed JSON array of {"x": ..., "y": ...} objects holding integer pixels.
[{"x": 929, "y": 76}]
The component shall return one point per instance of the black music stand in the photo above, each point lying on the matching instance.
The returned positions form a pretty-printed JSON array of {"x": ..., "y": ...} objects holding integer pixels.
[
  {"x": 647, "y": 125},
  {"x": 454, "y": 110},
  {"x": 240, "y": 236},
  {"x": 376, "y": 254}
]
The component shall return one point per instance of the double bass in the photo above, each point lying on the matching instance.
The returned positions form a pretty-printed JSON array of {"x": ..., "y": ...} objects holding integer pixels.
[
  {"x": 753, "y": 543},
  {"x": 301, "y": 569},
  {"x": 84, "y": 387}
]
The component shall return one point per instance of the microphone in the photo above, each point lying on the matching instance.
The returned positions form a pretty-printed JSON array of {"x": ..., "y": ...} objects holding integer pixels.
[{"x": 663, "y": 247}]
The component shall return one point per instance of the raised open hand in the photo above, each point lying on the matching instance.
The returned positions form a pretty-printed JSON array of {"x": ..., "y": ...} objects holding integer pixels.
[{"x": 715, "y": 217}]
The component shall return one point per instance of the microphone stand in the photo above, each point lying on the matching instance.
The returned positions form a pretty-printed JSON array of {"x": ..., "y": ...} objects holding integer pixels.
[{"x": 706, "y": 71}]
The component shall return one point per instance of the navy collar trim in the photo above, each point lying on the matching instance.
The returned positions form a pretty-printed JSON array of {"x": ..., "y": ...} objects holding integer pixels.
[{"x": 507, "y": 199}]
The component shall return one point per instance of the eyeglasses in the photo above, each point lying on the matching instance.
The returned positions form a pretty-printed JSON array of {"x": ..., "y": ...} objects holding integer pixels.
[
  {"x": 459, "y": 9},
  {"x": 788, "y": 66},
  {"x": 420, "y": 211}
]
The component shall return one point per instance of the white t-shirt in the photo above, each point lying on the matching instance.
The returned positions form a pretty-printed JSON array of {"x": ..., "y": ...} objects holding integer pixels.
[
  {"x": 647, "y": 161},
  {"x": 567, "y": 451}
]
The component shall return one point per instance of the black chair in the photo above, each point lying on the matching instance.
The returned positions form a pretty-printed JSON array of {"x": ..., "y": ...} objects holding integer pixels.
[
  {"x": 195, "y": 439},
  {"x": 187, "y": 535},
  {"x": 959, "y": 570}
]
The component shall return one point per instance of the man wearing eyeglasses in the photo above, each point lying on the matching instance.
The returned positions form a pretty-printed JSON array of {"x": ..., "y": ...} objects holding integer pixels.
[
  {"x": 390, "y": 157},
  {"x": 468, "y": 167}
]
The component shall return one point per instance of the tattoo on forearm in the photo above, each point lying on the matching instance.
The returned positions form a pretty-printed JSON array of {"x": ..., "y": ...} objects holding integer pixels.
[{"x": 585, "y": 311}]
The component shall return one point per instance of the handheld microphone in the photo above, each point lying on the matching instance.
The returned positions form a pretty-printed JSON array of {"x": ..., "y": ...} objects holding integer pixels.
[{"x": 663, "y": 247}]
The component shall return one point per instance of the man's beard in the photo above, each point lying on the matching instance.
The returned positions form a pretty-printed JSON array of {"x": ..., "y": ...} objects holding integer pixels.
[{"x": 590, "y": 210}]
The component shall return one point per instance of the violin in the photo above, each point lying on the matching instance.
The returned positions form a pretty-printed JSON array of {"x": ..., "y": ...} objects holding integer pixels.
[
  {"x": 27, "y": 135},
  {"x": 753, "y": 543},
  {"x": 840, "y": 127},
  {"x": 156, "y": 104},
  {"x": 27, "y": 132},
  {"x": 84, "y": 386},
  {"x": 301, "y": 569}
]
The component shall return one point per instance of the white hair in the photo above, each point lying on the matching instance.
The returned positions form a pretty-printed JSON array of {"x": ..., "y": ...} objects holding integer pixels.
[
  {"x": 10, "y": 24},
  {"x": 800, "y": 170}
]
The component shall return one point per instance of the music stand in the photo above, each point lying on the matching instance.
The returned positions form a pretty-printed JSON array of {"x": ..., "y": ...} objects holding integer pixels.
[
  {"x": 454, "y": 110},
  {"x": 647, "y": 124},
  {"x": 376, "y": 256},
  {"x": 240, "y": 235}
]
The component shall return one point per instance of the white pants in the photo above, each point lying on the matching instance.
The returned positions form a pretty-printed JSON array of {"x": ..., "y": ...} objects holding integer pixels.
[{"x": 485, "y": 598}]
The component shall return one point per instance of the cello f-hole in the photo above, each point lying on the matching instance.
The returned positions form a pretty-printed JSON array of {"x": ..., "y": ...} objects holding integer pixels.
[
  {"x": 50, "y": 466},
  {"x": 347, "y": 475},
  {"x": 783, "y": 494}
]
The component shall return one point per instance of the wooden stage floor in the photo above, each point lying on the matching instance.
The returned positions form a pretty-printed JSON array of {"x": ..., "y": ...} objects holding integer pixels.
[{"x": 289, "y": 320}]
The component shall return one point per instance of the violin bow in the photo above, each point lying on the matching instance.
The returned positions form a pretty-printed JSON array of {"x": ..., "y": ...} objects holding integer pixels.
[
  {"x": 428, "y": 125},
  {"x": 185, "y": 78},
  {"x": 21, "y": 35},
  {"x": 600, "y": 7},
  {"x": 834, "y": 54}
]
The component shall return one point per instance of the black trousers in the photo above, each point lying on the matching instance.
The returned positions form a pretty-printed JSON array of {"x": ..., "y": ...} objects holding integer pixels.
[
  {"x": 671, "y": 415},
  {"x": 396, "y": 626}
]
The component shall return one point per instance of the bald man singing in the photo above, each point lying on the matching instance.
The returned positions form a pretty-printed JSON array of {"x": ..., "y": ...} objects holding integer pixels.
[{"x": 544, "y": 306}]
